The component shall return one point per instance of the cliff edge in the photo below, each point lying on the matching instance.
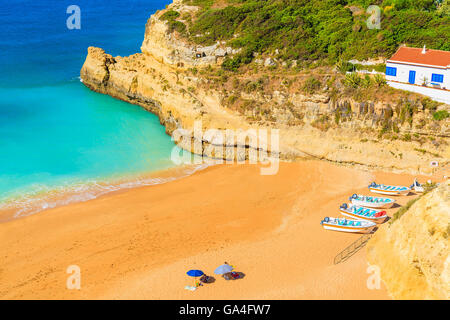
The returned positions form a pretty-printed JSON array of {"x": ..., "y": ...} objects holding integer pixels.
[
  {"x": 183, "y": 83},
  {"x": 413, "y": 252}
]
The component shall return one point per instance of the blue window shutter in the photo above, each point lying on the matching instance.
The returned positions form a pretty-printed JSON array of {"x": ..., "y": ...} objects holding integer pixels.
[
  {"x": 437, "y": 78},
  {"x": 391, "y": 71}
]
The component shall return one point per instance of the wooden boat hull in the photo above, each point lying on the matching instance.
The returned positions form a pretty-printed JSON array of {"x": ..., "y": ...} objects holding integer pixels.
[
  {"x": 344, "y": 225},
  {"x": 388, "y": 192},
  {"x": 359, "y": 217},
  {"x": 367, "y": 204},
  {"x": 347, "y": 228}
]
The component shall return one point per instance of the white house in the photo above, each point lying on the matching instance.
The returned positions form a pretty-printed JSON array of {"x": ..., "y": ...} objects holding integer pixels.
[{"x": 424, "y": 71}]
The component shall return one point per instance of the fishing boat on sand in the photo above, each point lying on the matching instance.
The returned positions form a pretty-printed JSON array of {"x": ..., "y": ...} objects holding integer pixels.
[
  {"x": 389, "y": 190},
  {"x": 371, "y": 202},
  {"x": 346, "y": 225},
  {"x": 361, "y": 213}
]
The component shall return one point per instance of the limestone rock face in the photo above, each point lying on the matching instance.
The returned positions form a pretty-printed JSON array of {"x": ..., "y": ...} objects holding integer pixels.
[
  {"x": 95, "y": 68},
  {"x": 141, "y": 79},
  {"x": 414, "y": 253},
  {"x": 269, "y": 62},
  {"x": 171, "y": 49}
]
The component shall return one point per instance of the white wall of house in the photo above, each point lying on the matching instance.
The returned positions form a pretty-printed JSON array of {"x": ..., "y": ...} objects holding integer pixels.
[
  {"x": 435, "y": 94},
  {"x": 421, "y": 74},
  {"x": 401, "y": 81}
]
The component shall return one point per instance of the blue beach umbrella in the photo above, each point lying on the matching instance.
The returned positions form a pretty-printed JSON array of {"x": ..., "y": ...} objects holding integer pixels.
[
  {"x": 194, "y": 273},
  {"x": 225, "y": 268}
]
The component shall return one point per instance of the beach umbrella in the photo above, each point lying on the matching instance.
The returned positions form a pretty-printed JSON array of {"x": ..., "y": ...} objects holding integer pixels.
[
  {"x": 225, "y": 268},
  {"x": 194, "y": 273}
]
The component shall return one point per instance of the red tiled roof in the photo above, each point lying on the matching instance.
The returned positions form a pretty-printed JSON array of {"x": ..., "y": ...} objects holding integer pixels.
[{"x": 415, "y": 56}]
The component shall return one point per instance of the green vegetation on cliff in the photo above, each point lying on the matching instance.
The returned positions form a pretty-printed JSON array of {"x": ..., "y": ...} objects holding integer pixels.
[
  {"x": 171, "y": 16},
  {"x": 325, "y": 30},
  {"x": 310, "y": 44}
]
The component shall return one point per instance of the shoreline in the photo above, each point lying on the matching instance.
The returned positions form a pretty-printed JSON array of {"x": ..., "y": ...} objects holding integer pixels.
[
  {"x": 55, "y": 197},
  {"x": 136, "y": 244},
  {"x": 27, "y": 204}
]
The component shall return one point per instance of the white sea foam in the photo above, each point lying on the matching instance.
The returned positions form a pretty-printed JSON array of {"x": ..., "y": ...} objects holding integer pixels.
[{"x": 43, "y": 198}]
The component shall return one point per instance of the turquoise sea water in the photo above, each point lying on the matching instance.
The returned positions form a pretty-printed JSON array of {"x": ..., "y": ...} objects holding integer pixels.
[{"x": 56, "y": 136}]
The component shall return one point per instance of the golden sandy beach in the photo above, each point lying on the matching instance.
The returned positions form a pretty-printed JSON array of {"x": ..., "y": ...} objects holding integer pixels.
[{"x": 138, "y": 244}]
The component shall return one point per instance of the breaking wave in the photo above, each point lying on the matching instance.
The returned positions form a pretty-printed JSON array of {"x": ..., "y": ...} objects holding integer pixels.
[{"x": 43, "y": 198}]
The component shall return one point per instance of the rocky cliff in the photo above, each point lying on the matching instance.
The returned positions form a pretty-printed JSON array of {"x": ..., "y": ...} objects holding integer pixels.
[
  {"x": 413, "y": 252},
  {"x": 167, "y": 48},
  {"x": 159, "y": 79}
]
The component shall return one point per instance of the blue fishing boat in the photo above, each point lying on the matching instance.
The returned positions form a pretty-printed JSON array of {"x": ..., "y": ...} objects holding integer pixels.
[
  {"x": 362, "y": 213},
  {"x": 371, "y": 202},
  {"x": 346, "y": 225},
  {"x": 389, "y": 190}
]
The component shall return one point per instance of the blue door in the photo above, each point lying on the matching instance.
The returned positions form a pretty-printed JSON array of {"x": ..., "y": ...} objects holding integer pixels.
[{"x": 412, "y": 77}]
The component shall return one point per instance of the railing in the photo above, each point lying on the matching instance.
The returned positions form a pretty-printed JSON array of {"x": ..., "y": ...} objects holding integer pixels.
[{"x": 352, "y": 249}]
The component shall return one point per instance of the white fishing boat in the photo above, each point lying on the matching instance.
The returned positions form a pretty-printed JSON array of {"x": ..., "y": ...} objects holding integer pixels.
[
  {"x": 362, "y": 213},
  {"x": 371, "y": 202},
  {"x": 346, "y": 225},
  {"x": 417, "y": 187},
  {"x": 389, "y": 190}
]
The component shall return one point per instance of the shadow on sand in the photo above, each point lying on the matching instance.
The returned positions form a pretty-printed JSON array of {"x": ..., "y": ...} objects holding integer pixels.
[
  {"x": 395, "y": 205},
  {"x": 208, "y": 280},
  {"x": 238, "y": 275}
]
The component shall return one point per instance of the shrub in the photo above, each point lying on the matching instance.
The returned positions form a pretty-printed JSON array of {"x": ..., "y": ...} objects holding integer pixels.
[
  {"x": 344, "y": 66},
  {"x": 379, "y": 80},
  {"x": 337, "y": 117},
  {"x": 319, "y": 30},
  {"x": 407, "y": 137},
  {"x": 231, "y": 64},
  {"x": 232, "y": 99},
  {"x": 236, "y": 83},
  {"x": 170, "y": 16},
  {"x": 441, "y": 115},
  {"x": 446, "y": 234},
  {"x": 352, "y": 80},
  {"x": 407, "y": 112},
  {"x": 178, "y": 26},
  {"x": 311, "y": 85},
  {"x": 429, "y": 104},
  {"x": 322, "y": 123},
  {"x": 366, "y": 81}
]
